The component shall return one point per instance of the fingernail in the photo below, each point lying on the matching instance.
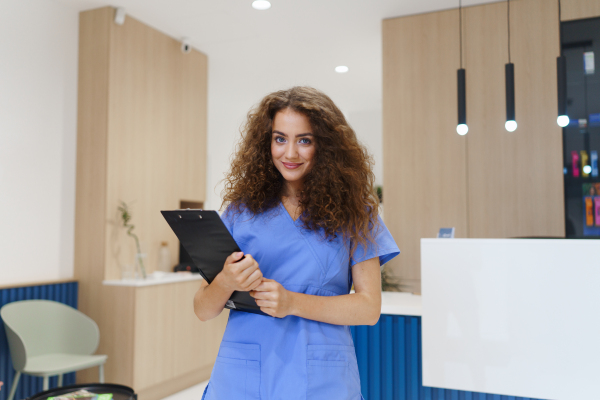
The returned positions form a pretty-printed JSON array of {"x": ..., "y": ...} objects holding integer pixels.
[{"x": 239, "y": 253}]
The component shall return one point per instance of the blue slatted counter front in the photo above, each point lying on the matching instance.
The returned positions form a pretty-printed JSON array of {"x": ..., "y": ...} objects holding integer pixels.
[
  {"x": 389, "y": 362},
  {"x": 65, "y": 293}
]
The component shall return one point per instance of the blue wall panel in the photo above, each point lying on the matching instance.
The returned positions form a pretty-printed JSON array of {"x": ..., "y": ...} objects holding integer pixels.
[
  {"x": 65, "y": 293},
  {"x": 389, "y": 362}
]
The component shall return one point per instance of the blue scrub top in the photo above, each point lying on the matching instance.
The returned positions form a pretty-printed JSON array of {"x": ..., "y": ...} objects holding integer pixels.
[{"x": 267, "y": 358}]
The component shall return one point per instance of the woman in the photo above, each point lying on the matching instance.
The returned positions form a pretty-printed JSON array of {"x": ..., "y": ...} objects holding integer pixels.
[{"x": 301, "y": 206}]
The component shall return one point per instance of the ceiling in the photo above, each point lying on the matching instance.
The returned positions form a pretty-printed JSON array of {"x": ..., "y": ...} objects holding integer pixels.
[{"x": 294, "y": 42}]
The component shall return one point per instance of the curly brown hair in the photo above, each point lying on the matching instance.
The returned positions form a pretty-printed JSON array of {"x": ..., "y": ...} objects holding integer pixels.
[{"x": 337, "y": 196}]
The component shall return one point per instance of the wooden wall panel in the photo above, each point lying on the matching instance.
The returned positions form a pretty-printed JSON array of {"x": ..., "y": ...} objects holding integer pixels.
[
  {"x": 515, "y": 179},
  {"x": 580, "y": 9},
  {"x": 141, "y": 139},
  {"x": 510, "y": 183},
  {"x": 92, "y": 123},
  {"x": 424, "y": 158},
  {"x": 157, "y": 136}
]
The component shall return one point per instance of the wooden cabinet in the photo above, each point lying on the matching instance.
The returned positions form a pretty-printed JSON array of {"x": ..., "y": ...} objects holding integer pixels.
[{"x": 142, "y": 117}]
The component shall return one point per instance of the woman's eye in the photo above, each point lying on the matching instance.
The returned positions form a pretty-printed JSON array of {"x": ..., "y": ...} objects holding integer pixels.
[
  {"x": 305, "y": 141},
  {"x": 279, "y": 139}
]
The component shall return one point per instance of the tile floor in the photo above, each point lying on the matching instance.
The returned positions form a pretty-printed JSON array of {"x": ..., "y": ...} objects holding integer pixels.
[{"x": 192, "y": 393}]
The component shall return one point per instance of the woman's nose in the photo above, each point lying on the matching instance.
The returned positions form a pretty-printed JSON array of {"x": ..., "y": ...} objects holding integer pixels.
[{"x": 291, "y": 152}]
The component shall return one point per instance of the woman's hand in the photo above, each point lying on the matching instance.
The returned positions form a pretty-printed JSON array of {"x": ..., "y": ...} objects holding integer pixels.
[
  {"x": 240, "y": 274},
  {"x": 273, "y": 299}
]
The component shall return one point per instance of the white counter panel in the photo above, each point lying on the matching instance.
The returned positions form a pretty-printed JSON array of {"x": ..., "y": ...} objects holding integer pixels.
[
  {"x": 399, "y": 303},
  {"x": 517, "y": 317}
]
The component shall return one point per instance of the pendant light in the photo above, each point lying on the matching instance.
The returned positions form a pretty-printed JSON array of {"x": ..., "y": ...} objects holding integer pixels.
[
  {"x": 509, "y": 71},
  {"x": 561, "y": 78},
  {"x": 462, "y": 128}
]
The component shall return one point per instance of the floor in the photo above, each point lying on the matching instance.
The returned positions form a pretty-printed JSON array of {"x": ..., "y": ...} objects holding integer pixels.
[{"x": 192, "y": 393}]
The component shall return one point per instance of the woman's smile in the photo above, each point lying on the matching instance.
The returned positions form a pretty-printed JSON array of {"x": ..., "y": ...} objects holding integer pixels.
[{"x": 291, "y": 165}]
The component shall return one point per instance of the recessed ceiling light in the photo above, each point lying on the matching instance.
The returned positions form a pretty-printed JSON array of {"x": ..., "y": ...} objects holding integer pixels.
[
  {"x": 341, "y": 69},
  {"x": 261, "y": 5}
]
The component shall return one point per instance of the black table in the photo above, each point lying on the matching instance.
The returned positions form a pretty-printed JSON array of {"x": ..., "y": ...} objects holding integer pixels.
[{"x": 119, "y": 392}]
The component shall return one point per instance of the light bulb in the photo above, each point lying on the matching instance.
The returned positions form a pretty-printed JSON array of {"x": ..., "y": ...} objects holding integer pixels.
[
  {"x": 511, "y": 126},
  {"x": 341, "y": 69},
  {"x": 462, "y": 129},
  {"x": 587, "y": 169},
  {"x": 261, "y": 5},
  {"x": 562, "y": 120}
]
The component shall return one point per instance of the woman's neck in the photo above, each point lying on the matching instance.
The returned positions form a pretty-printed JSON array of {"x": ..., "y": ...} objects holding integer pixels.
[{"x": 291, "y": 191}]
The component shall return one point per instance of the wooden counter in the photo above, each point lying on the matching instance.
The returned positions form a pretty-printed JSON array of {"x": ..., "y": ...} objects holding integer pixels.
[{"x": 155, "y": 342}]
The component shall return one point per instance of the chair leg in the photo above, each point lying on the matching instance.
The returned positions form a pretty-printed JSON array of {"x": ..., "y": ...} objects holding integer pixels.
[
  {"x": 101, "y": 373},
  {"x": 46, "y": 383},
  {"x": 13, "y": 388},
  {"x": 60, "y": 380}
]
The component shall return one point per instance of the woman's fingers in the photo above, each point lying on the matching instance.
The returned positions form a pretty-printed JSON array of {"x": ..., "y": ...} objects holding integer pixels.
[
  {"x": 234, "y": 257},
  {"x": 268, "y": 311},
  {"x": 262, "y": 295},
  {"x": 242, "y": 272},
  {"x": 267, "y": 285},
  {"x": 237, "y": 272},
  {"x": 253, "y": 280},
  {"x": 247, "y": 262},
  {"x": 266, "y": 303},
  {"x": 247, "y": 270}
]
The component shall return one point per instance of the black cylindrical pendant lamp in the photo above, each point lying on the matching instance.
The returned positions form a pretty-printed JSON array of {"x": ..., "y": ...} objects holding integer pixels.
[
  {"x": 511, "y": 124},
  {"x": 561, "y": 79},
  {"x": 509, "y": 71},
  {"x": 561, "y": 75},
  {"x": 462, "y": 127}
]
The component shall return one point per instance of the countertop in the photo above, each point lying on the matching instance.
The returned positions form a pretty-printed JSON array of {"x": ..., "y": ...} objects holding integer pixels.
[
  {"x": 400, "y": 303},
  {"x": 155, "y": 279},
  {"x": 392, "y": 303}
]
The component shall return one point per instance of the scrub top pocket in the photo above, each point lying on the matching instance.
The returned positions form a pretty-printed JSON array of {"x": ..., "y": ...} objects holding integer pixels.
[
  {"x": 236, "y": 374},
  {"x": 332, "y": 373}
]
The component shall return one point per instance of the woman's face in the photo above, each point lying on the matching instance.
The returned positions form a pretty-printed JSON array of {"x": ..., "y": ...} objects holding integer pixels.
[{"x": 292, "y": 145}]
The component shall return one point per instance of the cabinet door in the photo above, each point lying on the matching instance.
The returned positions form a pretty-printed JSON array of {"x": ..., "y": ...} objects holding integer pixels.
[{"x": 170, "y": 341}]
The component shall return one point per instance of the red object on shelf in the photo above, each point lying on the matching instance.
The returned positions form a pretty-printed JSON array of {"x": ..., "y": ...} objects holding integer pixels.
[{"x": 575, "y": 162}]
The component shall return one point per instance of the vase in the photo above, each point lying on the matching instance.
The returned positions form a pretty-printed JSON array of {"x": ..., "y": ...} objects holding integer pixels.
[{"x": 139, "y": 265}]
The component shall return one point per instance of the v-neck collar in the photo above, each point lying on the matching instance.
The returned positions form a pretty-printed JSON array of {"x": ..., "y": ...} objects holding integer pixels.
[
  {"x": 294, "y": 221},
  {"x": 303, "y": 234}
]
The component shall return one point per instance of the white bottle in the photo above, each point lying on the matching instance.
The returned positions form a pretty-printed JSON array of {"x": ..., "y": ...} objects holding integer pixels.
[{"x": 164, "y": 258}]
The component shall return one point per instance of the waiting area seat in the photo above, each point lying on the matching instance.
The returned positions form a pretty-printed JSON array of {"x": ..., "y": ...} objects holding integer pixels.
[{"x": 47, "y": 338}]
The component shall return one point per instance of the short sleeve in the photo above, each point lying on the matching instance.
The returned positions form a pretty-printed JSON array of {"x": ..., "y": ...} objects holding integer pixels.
[{"x": 383, "y": 247}]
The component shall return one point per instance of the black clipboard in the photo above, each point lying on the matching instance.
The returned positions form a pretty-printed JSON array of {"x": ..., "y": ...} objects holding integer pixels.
[{"x": 207, "y": 241}]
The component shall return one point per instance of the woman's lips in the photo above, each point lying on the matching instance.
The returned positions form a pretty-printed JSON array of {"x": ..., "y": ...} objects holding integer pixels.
[{"x": 291, "y": 165}]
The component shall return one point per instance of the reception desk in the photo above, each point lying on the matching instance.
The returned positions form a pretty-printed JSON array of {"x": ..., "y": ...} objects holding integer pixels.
[
  {"x": 516, "y": 317},
  {"x": 389, "y": 355}
]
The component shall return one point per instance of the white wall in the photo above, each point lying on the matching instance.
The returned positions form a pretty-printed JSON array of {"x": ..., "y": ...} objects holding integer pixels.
[{"x": 38, "y": 116}]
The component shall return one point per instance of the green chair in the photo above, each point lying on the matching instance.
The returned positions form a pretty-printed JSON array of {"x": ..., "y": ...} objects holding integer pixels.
[{"x": 48, "y": 338}]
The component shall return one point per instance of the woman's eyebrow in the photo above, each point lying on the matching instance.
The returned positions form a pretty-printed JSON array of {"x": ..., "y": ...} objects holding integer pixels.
[{"x": 300, "y": 135}]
